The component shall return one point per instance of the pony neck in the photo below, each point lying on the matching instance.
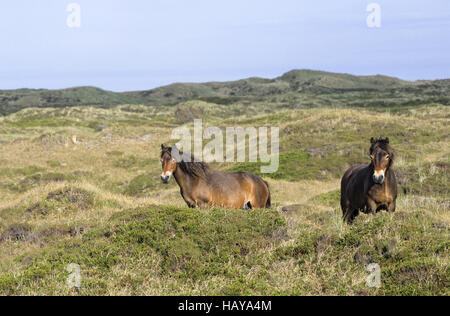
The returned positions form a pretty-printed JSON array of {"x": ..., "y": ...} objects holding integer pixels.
[{"x": 181, "y": 178}]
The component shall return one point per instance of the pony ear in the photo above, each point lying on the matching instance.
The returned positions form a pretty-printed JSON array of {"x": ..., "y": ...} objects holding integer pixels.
[
  {"x": 387, "y": 140},
  {"x": 163, "y": 147},
  {"x": 372, "y": 140}
]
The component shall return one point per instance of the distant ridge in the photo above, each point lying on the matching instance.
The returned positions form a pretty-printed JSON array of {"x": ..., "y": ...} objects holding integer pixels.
[{"x": 293, "y": 82}]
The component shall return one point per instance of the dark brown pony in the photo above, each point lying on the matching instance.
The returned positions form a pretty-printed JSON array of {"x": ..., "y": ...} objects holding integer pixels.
[
  {"x": 201, "y": 186},
  {"x": 370, "y": 188}
]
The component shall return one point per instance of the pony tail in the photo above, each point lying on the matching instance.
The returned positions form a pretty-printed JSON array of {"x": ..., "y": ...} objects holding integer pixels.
[{"x": 268, "y": 203}]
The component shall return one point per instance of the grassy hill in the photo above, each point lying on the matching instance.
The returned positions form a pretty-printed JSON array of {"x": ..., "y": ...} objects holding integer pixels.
[
  {"x": 81, "y": 185},
  {"x": 12, "y": 101},
  {"x": 291, "y": 88}
]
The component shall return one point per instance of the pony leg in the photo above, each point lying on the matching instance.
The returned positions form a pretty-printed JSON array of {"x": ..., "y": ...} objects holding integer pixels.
[
  {"x": 372, "y": 206},
  {"x": 347, "y": 212},
  {"x": 189, "y": 203},
  {"x": 350, "y": 215},
  {"x": 391, "y": 207}
]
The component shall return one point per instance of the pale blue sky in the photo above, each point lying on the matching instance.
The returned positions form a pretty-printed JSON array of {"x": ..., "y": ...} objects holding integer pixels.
[{"x": 140, "y": 44}]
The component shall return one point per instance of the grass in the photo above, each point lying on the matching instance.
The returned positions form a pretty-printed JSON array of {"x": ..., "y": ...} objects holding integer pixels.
[
  {"x": 88, "y": 192},
  {"x": 304, "y": 88},
  {"x": 173, "y": 250},
  {"x": 301, "y": 165}
]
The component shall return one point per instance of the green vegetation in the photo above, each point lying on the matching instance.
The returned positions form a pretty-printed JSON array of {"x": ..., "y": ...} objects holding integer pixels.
[
  {"x": 301, "y": 165},
  {"x": 144, "y": 184},
  {"x": 80, "y": 183},
  {"x": 174, "y": 250},
  {"x": 291, "y": 88}
]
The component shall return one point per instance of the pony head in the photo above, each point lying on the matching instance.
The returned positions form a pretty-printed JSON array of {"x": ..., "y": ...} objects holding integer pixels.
[{"x": 382, "y": 157}]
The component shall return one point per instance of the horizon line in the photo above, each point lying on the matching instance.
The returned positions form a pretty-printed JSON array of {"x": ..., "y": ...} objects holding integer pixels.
[{"x": 223, "y": 81}]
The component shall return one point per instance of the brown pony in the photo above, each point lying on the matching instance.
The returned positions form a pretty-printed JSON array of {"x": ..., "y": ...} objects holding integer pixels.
[
  {"x": 370, "y": 188},
  {"x": 201, "y": 186}
]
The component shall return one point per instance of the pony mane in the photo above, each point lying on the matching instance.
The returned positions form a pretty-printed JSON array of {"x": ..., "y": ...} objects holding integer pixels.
[
  {"x": 189, "y": 164},
  {"x": 382, "y": 143}
]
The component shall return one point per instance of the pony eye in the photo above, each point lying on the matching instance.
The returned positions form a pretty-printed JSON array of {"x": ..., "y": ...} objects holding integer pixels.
[
  {"x": 387, "y": 157},
  {"x": 173, "y": 159}
]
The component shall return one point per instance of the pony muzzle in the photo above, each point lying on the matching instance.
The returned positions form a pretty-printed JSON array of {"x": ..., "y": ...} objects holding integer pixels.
[
  {"x": 165, "y": 177},
  {"x": 378, "y": 176}
]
